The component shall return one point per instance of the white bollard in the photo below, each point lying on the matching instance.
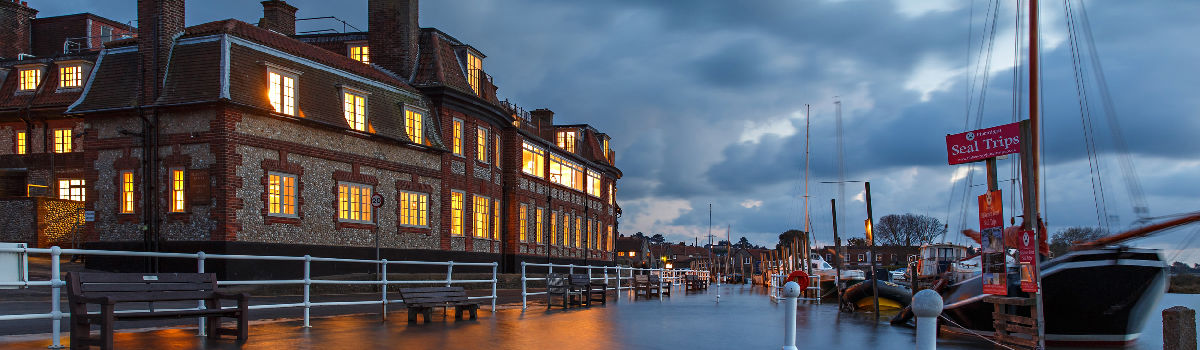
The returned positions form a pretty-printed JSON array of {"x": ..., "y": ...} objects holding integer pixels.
[
  {"x": 790, "y": 292},
  {"x": 927, "y": 305}
]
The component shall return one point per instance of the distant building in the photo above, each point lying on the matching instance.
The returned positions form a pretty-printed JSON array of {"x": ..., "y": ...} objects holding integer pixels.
[
  {"x": 633, "y": 252},
  {"x": 858, "y": 257}
]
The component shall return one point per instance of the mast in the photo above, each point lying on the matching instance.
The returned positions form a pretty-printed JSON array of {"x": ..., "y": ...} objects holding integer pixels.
[
  {"x": 1033, "y": 215},
  {"x": 807, "y": 223}
]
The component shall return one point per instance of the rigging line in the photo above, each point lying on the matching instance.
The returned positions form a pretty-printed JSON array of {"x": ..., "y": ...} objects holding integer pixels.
[
  {"x": 987, "y": 68},
  {"x": 978, "y": 78},
  {"x": 1186, "y": 243},
  {"x": 1132, "y": 184},
  {"x": 1099, "y": 199},
  {"x": 1018, "y": 93}
]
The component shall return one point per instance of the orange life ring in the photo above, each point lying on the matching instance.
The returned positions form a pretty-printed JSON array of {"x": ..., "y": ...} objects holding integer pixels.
[{"x": 799, "y": 277}]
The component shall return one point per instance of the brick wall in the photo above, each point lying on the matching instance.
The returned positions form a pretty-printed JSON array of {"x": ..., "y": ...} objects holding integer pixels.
[{"x": 15, "y": 19}]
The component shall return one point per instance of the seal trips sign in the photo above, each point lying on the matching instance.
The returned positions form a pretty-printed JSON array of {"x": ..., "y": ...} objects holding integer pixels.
[
  {"x": 1027, "y": 256},
  {"x": 991, "y": 236},
  {"x": 977, "y": 145}
]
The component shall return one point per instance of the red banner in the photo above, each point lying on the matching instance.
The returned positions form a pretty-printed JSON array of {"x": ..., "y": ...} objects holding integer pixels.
[
  {"x": 977, "y": 145},
  {"x": 1027, "y": 256},
  {"x": 991, "y": 236}
]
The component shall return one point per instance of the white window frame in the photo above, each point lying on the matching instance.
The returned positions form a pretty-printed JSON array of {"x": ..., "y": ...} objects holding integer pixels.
[
  {"x": 76, "y": 76},
  {"x": 538, "y": 155},
  {"x": 364, "y": 202},
  {"x": 418, "y": 135},
  {"x": 457, "y": 137},
  {"x": 481, "y": 148},
  {"x": 72, "y": 189},
  {"x": 177, "y": 203},
  {"x": 462, "y": 203},
  {"x": 479, "y": 217},
  {"x": 294, "y": 196},
  {"x": 38, "y": 76},
  {"x": 128, "y": 193},
  {"x": 350, "y": 51},
  {"x": 422, "y": 210},
  {"x": 283, "y": 73},
  {"x": 366, "y": 115}
]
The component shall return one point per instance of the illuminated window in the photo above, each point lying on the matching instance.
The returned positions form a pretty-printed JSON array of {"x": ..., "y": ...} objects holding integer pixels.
[
  {"x": 538, "y": 232},
  {"x": 482, "y": 214},
  {"x": 19, "y": 143},
  {"x": 604, "y": 143},
  {"x": 497, "y": 151},
  {"x": 456, "y": 213},
  {"x": 481, "y": 139},
  {"x": 70, "y": 76},
  {"x": 414, "y": 209},
  {"x": 177, "y": 188},
  {"x": 354, "y": 202},
  {"x": 610, "y": 238},
  {"x": 355, "y": 109},
  {"x": 361, "y": 53},
  {"x": 71, "y": 189},
  {"x": 523, "y": 222},
  {"x": 281, "y": 194},
  {"x": 612, "y": 194},
  {"x": 474, "y": 72},
  {"x": 860, "y": 257},
  {"x": 62, "y": 140},
  {"x": 496, "y": 219},
  {"x": 566, "y": 173},
  {"x": 458, "y": 137},
  {"x": 566, "y": 140},
  {"x": 126, "y": 192},
  {"x": 413, "y": 126},
  {"x": 578, "y": 236},
  {"x": 282, "y": 92},
  {"x": 553, "y": 227},
  {"x": 620, "y": 253},
  {"x": 28, "y": 79},
  {"x": 533, "y": 159},
  {"x": 593, "y": 183}
]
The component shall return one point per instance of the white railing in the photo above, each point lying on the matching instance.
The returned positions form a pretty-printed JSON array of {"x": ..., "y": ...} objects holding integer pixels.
[
  {"x": 618, "y": 273},
  {"x": 56, "y": 283}
]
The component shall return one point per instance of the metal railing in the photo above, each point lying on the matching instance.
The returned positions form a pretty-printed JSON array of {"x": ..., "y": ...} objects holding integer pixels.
[
  {"x": 56, "y": 283},
  {"x": 618, "y": 273}
]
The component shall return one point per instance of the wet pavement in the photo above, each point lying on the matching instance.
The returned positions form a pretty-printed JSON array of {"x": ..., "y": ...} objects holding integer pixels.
[{"x": 744, "y": 318}]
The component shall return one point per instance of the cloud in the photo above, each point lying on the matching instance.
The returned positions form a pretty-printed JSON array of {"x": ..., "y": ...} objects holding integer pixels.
[{"x": 750, "y": 203}]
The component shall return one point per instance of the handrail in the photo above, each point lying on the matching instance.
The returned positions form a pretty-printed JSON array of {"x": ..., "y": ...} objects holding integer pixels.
[{"x": 672, "y": 275}]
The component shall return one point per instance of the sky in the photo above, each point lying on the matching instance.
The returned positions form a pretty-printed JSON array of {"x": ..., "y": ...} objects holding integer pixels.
[{"x": 706, "y": 102}]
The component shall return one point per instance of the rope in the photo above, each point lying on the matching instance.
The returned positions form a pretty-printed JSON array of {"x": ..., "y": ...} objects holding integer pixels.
[
  {"x": 981, "y": 336},
  {"x": 1099, "y": 198}
]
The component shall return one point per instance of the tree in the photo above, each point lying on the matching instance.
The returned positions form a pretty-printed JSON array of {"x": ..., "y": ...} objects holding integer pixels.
[
  {"x": 907, "y": 229},
  {"x": 639, "y": 235},
  {"x": 744, "y": 243},
  {"x": 1061, "y": 241},
  {"x": 856, "y": 242},
  {"x": 657, "y": 239}
]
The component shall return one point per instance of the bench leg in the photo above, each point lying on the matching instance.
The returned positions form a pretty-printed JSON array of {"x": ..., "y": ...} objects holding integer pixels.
[
  {"x": 106, "y": 327},
  {"x": 474, "y": 311},
  {"x": 412, "y": 315},
  {"x": 428, "y": 313},
  {"x": 81, "y": 332},
  {"x": 458, "y": 312}
]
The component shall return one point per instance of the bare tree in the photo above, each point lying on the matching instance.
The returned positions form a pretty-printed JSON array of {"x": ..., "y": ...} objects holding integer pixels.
[
  {"x": 1061, "y": 241},
  {"x": 907, "y": 229}
]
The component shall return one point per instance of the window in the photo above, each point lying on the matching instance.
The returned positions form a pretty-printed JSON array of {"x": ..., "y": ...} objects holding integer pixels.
[
  {"x": 523, "y": 222},
  {"x": 481, "y": 139},
  {"x": 28, "y": 79},
  {"x": 860, "y": 257},
  {"x": 106, "y": 34},
  {"x": 355, "y": 109},
  {"x": 566, "y": 140},
  {"x": 610, "y": 239},
  {"x": 578, "y": 236},
  {"x": 414, "y": 209},
  {"x": 553, "y": 227},
  {"x": 177, "y": 188},
  {"x": 71, "y": 189},
  {"x": 497, "y": 150},
  {"x": 354, "y": 202},
  {"x": 70, "y": 76},
  {"x": 282, "y": 92},
  {"x": 496, "y": 219},
  {"x": 458, "y": 137},
  {"x": 62, "y": 140},
  {"x": 537, "y": 224},
  {"x": 604, "y": 143},
  {"x": 593, "y": 183},
  {"x": 566, "y": 173},
  {"x": 534, "y": 160},
  {"x": 481, "y": 211},
  {"x": 126, "y": 192},
  {"x": 19, "y": 143},
  {"x": 620, "y": 253},
  {"x": 612, "y": 193},
  {"x": 456, "y": 213},
  {"x": 474, "y": 72},
  {"x": 412, "y": 126},
  {"x": 361, "y": 53},
  {"x": 281, "y": 194}
]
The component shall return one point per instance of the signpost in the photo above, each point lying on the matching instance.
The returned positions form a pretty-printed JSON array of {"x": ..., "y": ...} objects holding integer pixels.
[
  {"x": 977, "y": 145},
  {"x": 991, "y": 236}
]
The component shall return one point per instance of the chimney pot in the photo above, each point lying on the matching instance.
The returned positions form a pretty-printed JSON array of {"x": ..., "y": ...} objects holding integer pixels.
[{"x": 278, "y": 16}]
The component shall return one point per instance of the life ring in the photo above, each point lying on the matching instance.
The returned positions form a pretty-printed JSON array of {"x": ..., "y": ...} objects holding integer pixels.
[{"x": 799, "y": 277}]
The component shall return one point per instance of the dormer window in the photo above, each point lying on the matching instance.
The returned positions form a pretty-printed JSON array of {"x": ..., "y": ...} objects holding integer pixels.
[
  {"x": 28, "y": 79},
  {"x": 70, "y": 76},
  {"x": 413, "y": 126},
  {"x": 361, "y": 53},
  {"x": 282, "y": 91},
  {"x": 566, "y": 140},
  {"x": 474, "y": 73},
  {"x": 605, "y": 144},
  {"x": 355, "y": 108}
]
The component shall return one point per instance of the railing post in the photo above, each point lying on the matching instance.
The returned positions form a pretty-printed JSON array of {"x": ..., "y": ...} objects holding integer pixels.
[
  {"x": 927, "y": 305},
  {"x": 524, "y": 297},
  {"x": 449, "y": 272},
  {"x": 307, "y": 288},
  {"x": 571, "y": 269},
  {"x": 495, "y": 279},
  {"x": 790, "y": 293},
  {"x": 56, "y": 284},
  {"x": 384, "y": 282},
  {"x": 202, "y": 331}
]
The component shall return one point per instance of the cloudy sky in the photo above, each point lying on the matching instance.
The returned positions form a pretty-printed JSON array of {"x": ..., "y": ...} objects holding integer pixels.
[{"x": 706, "y": 100}]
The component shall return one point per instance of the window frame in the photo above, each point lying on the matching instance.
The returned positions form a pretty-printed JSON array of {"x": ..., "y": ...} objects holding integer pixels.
[
  {"x": 539, "y": 223},
  {"x": 480, "y": 211},
  {"x": 72, "y": 73},
  {"x": 283, "y": 73},
  {"x": 403, "y": 201},
  {"x": 61, "y": 146},
  {"x": 567, "y": 143},
  {"x": 593, "y": 179},
  {"x": 481, "y": 144},
  {"x": 523, "y": 223},
  {"x": 128, "y": 201},
  {"x": 25, "y": 86},
  {"x": 347, "y": 203},
  {"x": 282, "y": 196},
  {"x": 496, "y": 149},
  {"x": 475, "y": 73},
  {"x": 535, "y": 155},
  {"x": 457, "y": 201},
  {"x": 364, "y": 54},
  {"x": 353, "y": 108},
  {"x": 414, "y": 125},
  {"x": 456, "y": 137},
  {"x": 20, "y": 140},
  {"x": 70, "y": 189},
  {"x": 553, "y": 228},
  {"x": 177, "y": 202}
]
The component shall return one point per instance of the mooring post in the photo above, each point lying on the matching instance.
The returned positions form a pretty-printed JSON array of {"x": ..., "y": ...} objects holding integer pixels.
[
  {"x": 1179, "y": 328},
  {"x": 927, "y": 305},
  {"x": 791, "y": 292}
]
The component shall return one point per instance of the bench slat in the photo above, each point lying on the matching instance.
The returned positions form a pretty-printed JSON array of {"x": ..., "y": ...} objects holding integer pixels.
[
  {"x": 145, "y": 287},
  {"x": 121, "y": 297},
  {"x": 105, "y": 277},
  {"x": 174, "y": 313}
]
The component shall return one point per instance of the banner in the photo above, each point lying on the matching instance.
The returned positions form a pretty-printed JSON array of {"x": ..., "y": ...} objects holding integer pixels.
[
  {"x": 1027, "y": 256},
  {"x": 991, "y": 236},
  {"x": 977, "y": 145}
]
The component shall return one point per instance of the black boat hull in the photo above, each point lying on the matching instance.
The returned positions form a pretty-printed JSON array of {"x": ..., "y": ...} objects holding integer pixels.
[{"x": 1093, "y": 298}]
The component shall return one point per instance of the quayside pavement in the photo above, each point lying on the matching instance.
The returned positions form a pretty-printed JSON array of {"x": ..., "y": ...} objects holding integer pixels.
[{"x": 745, "y": 318}]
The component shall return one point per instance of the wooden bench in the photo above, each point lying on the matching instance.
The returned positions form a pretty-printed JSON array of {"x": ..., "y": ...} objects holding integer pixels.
[
  {"x": 643, "y": 286},
  {"x": 109, "y": 289},
  {"x": 589, "y": 290},
  {"x": 557, "y": 284},
  {"x": 664, "y": 285},
  {"x": 598, "y": 291},
  {"x": 691, "y": 283},
  {"x": 423, "y": 300}
]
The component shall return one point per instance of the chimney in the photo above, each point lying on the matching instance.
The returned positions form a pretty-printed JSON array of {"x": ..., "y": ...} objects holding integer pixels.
[
  {"x": 159, "y": 21},
  {"x": 278, "y": 16},
  {"x": 544, "y": 119},
  {"x": 392, "y": 34},
  {"x": 15, "y": 28}
]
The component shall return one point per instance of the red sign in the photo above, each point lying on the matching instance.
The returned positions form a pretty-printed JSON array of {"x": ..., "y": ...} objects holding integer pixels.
[
  {"x": 977, "y": 145},
  {"x": 991, "y": 236},
  {"x": 1027, "y": 256}
]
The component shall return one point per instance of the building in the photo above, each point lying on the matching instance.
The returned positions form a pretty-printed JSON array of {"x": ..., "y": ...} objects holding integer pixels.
[
  {"x": 858, "y": 257},
  {"x": 633, "y": 251},
  {"x": 391, "y": 141}
]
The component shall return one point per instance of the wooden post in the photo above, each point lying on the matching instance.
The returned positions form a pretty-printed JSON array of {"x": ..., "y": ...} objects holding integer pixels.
[
  {"x": 874, "y": 274},
  {"x": 1179, "y": 328},
  {"x": 837, "y": 246}
]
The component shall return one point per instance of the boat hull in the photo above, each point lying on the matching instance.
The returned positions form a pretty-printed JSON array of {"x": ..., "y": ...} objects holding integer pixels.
[{"x": 1096, "y": 297}]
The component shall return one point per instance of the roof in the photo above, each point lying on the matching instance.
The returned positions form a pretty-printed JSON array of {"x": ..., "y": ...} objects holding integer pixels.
[
  {"x": 627, "y": 244},
  {"x": 48, "y": 93},
  {"x": 88, "y": 15}
]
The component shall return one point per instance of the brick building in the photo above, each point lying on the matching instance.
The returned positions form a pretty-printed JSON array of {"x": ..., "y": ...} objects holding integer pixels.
[{"x": 332, "y": 144}]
